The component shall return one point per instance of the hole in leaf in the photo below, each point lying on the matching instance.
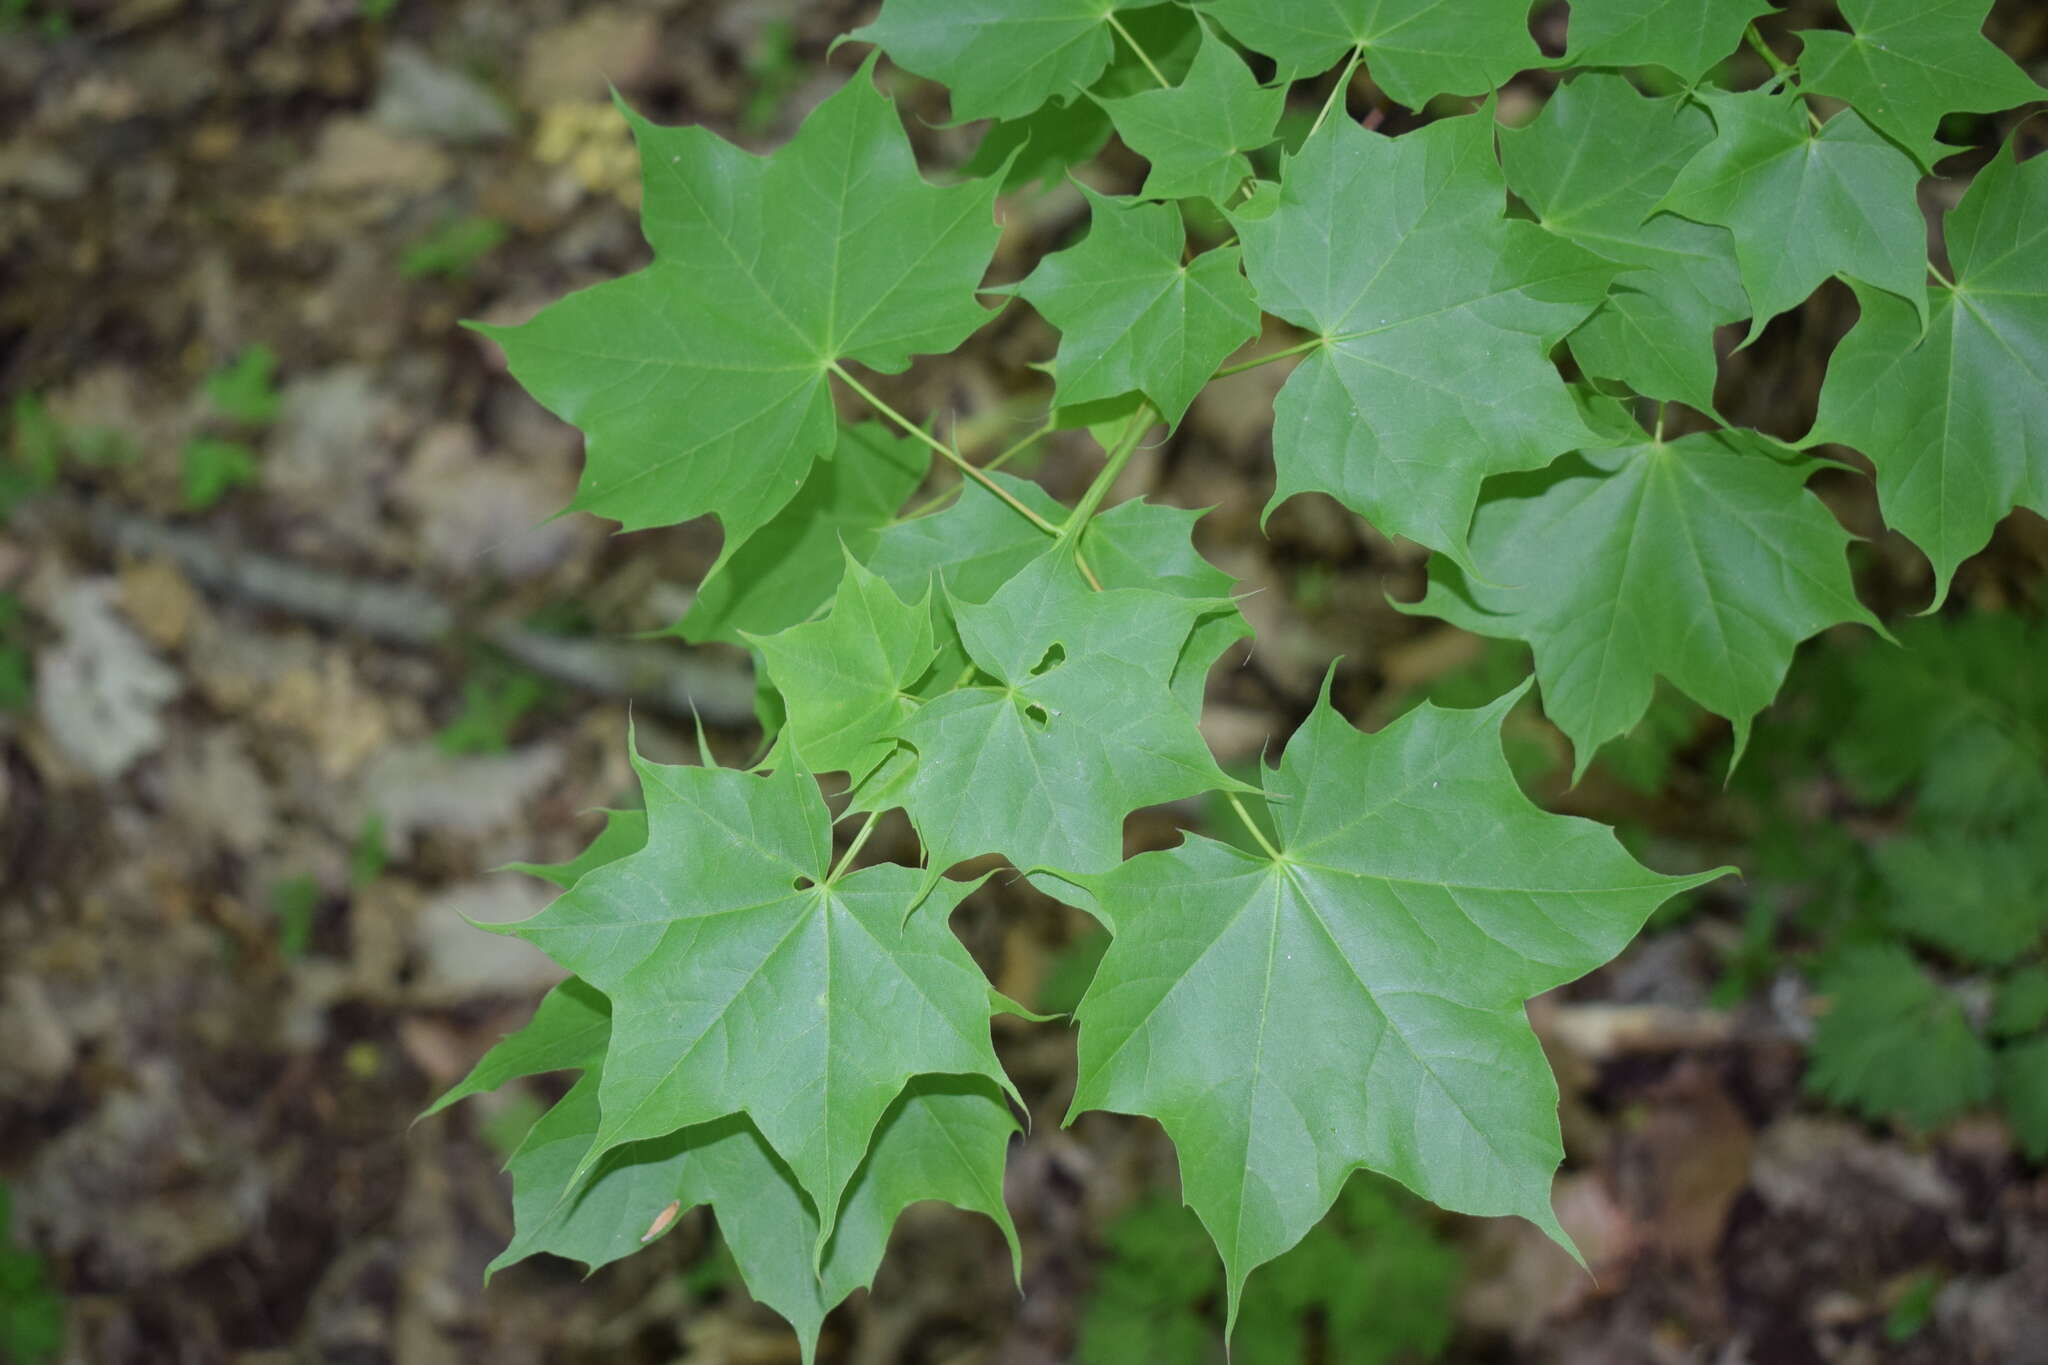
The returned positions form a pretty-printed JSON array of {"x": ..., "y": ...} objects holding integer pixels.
[
  {"x": 804, "y": 883},
  {"x": 1037, "y": 714},
  {"x": 1054, "y": 657}
]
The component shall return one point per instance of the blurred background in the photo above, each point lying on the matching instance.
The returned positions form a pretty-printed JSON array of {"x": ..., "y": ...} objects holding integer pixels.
[{"x": 291, "y": 658}]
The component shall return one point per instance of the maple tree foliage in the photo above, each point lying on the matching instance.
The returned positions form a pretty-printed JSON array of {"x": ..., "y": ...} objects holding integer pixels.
[{"x": 762, "y": 1023}]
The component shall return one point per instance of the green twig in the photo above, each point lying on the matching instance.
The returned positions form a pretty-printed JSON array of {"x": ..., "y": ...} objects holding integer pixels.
[
  {"x": 1935, "y": 271},
  {"x": 1119, "y": 456},
  {"x": 1779, "y": 66},
  {"x": 913, "y": 429}
]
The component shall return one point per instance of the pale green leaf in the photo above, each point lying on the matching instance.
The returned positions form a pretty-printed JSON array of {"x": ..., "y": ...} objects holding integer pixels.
[
  {"x": 1688, "y": 38},
  {"x": 1909, "y": 62},
  {"x": 786, "y": 570},
  {"x": 1894, "y": 1042},
  {"x": 979, "y": 543},
  {"x": 1358, "y": 999},
  {"x": 1437, "y": 315},
  {"x": 1956, "y": 420},
  {"x": 1196, "y": 134},
  {"x": 844, "y": 679},
  {"x": 999, "y": 58},
  {"x": 701, "y": 382},
  {"x": 568, "y": 1032},
  {"x": 941, "y": 1138},
  {"x": 1415, "y": 49},
  {"x": 1701, "y": 560},
  {"x": 744, "y": 979},
  {"x": 1132, "y": 315},
  {"x": 1075, "y": 730},
  {"x": 625, "y": 831},
  {"x": 1803, "y": 203},
  {"x": 1592, "y": 166}
]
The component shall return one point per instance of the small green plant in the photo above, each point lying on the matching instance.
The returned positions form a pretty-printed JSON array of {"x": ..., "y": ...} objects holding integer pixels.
[
  {"x": 1369, "y": 1284},
  {"x": 17, "y": 685},
  {"x": 295, "y": 901},
  {"x": 1928, "y": 940},
  {"x": 31, "y": 1310},
  {"x": 773, "y": 69},
  {"x": 243, "y": 397},
  {"x": 245, "y": 389},
  {"x": 495, "y": 698},
  {"x": 1528, "y": 394},
  {"x": 453, "y": 248}
]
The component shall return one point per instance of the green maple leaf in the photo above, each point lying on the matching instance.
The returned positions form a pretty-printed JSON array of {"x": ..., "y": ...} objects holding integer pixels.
[
  {"x": 786, "y": 570},
  {"x": 1075, "y": 730},
  {"x": 1436, "y": 316},
  {"x": 746, "y": 978},
  {"x": 701, "y": 383},
  {"x": 1911, "y": 61},
  {"x": 1688, "y": 38},
  {"x": 1894, "y": 1041},
  {"x": 978, "y": 544},
  {"x": 1355, "y": 999},
  {"x": 1415, "y": 49},
  {"x": 1803, "y": 203},
  {"x": 999, "y": 58},
  {"x": 844, "y": 680},
  {"x": 1196, "y": 134},
  {"x": 942, "y": 1138},
  {"x": 1593, "y": 165},
  {"x": 568, "y": 1032},
  {"x": 1702, "y": 560},
  {"x": 1042, "y": 145},
  {"x": 625, "y": 831},
  {"x": 2023, "y": 1086},
  {"x": 1956, "y": 419},
  {"x": 1132, "y": 316}
]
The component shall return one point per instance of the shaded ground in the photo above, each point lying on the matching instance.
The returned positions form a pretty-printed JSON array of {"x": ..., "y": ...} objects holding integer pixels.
[{"x": 278, "y": 742}]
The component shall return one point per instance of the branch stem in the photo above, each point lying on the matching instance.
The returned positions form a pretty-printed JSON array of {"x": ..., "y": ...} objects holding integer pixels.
[
  {"x": 1935, "y": 271},
  {"x": 1119, "y": 456},
  {"x": 1336, "y": 96},
  {"x": 913, "y": 429},
  {"x": 1779, "y": 66},
  {"x": 1125, "y": 34}
]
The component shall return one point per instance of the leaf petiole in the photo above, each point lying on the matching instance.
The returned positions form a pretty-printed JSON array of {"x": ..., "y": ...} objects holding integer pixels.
[
  {"x": 1337, "y": 91},
  {"x": 1241, "y": 366},
  {"x": 1253, "y": 826},
  {"x": 939, "y": 498},
  {"x": 846, "y": 858},
  {"x": 913, "y": 429},
  {"x": 1125, "y": 34}
]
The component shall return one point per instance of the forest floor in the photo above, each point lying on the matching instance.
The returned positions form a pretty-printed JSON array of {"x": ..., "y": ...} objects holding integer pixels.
[{"x": 277, "y": 743}]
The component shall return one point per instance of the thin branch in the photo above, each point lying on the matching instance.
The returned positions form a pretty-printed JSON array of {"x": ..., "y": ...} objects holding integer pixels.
[{"x": 944, "y": 495}]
